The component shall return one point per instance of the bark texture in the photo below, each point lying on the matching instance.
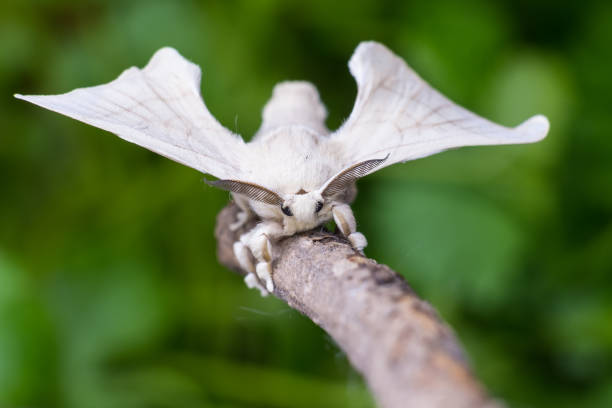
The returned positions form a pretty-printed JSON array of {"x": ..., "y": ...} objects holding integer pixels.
[{"x": 408, "y": 356}]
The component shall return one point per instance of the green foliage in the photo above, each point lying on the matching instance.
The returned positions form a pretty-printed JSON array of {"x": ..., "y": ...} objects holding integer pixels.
[{"x": 110, "y": 292}]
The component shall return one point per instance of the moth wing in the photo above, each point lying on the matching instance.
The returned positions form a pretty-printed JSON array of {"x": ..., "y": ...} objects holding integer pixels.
[
  {"x": 398, "y": 113},
  {"x": 160, "y": 108}
]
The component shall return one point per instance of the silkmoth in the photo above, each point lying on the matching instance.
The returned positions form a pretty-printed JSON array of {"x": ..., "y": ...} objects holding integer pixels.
[{"x": 294, "y": 174}]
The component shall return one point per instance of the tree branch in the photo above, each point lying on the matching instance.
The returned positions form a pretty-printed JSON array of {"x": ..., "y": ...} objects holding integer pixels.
[{"x": 407, "y": 354}]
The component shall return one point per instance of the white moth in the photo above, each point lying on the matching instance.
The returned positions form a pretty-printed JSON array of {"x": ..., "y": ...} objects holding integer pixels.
[{"x": 294, "y": 174}]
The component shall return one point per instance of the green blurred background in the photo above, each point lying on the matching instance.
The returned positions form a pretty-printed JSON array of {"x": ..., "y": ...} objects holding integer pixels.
[{"x": 110, "y": 292}]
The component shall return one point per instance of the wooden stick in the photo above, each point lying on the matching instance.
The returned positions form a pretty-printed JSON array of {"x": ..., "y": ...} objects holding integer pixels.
[{"x": 407, "y": 354}]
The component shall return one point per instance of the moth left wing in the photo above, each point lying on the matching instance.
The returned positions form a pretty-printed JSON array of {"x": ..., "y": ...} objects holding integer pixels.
[
  {"x": 398, "y": 114},
  {"x": 160, "y": 108}
]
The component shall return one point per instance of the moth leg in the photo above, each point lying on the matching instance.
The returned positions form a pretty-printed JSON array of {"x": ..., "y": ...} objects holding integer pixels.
[
  {"x": 244, "y": 215},
  {"x": 345, "y": 220},
  {"x": 241, "y": 219},
  {"x": 244, "y": 259},
  {"x": 258, "y": 240}
]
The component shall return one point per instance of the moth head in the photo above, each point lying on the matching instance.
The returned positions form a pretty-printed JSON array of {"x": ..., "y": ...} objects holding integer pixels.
[
  {"x": 302, "y": 207},
  {"x": 306, "y": 207}
]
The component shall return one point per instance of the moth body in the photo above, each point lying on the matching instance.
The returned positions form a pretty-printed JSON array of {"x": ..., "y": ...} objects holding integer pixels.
[
  {"x": 294, "y": 174},
  {"x": 301, "y": 160},
  {"x": 294, "y": 136}
]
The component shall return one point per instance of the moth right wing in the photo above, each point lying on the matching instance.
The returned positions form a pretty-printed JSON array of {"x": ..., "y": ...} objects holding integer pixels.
[
  {"x": 398, "y": 114},
  {"x": 160, "y": 108}
]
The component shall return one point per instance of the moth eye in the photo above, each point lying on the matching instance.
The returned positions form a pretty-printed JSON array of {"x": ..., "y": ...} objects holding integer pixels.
[
  {"x": 319, "y": 206},
  {"x": 286, "y": 211}
]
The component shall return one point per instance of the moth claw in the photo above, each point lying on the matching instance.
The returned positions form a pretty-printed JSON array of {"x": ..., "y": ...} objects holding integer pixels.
[
  {"x": 253, "y": 283},
  {"x": 358, "y": 241}
]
